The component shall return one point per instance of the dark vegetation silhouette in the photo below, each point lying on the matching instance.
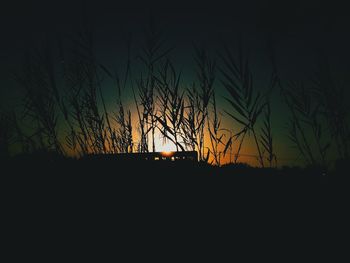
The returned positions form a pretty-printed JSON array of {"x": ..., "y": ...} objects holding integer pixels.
[
  {"x": 65, "y": 115},
  {"x": 246, "y": 105},
  {"x": 6, "y": 134}
]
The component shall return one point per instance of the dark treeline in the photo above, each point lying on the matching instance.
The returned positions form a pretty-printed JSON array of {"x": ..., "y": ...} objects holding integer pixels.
[{"x": 64, "y": 106}]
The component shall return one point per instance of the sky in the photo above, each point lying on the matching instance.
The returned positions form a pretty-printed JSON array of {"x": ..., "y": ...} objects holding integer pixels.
[{"x": 298, "y": 31}]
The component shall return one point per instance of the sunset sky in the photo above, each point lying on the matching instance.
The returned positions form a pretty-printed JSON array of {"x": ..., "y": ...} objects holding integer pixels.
[{"x": 298, "y": 31}]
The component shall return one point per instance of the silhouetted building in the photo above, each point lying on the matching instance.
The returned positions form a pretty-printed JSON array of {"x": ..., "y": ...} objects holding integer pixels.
[{"x": 183, "y": 156}]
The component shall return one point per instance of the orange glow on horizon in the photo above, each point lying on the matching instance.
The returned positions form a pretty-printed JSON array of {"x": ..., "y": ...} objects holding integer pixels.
[
  {"x": 167, "y": 153},
  {"x": 166, "y": 148}
]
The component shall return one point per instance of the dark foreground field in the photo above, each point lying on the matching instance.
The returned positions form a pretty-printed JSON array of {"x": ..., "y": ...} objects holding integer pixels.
[
  {"x": 112, "y": 171},
  {"x": 139, "y": 197},
  {"x": 142, "y": 181}
]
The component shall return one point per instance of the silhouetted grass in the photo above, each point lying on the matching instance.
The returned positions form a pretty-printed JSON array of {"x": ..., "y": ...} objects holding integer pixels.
[
  {"x": 68, "y": 113},
  {"x": 266, "y": 138},
  {"x": 151, "y": 56},
  {"x": 172, "y": 105},
  {"x": 205, "y": 81},
  {"x": 40, "y": 100},
  {"x": 246, "y": 105},
  {"x": 216, "y": 133},
  {"x": 332, "y": 102}
]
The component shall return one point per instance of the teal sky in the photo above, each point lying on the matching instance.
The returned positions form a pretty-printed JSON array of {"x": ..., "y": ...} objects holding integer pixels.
[{"x": 298, "y": 31}]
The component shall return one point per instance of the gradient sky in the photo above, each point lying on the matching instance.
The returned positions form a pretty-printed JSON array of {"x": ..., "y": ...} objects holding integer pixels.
[{"x": 298, "y": 30}]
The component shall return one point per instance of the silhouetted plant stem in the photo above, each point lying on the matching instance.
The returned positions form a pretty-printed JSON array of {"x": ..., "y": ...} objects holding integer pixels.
[
  {"x": 261, "y": 159},
  {"x": 240, "y": 146},
  {"x": 172, "y": 102},
  {"x": 333, "y": 104},
  {"x": 215, "y": 133},
  {"x": 206, "y": 76},
  {"x": 246, "y": 106},
  {"x": 266, "y": 136},
  {"x": 152, "y": 55},
  {"x": 301, "y": 131}
]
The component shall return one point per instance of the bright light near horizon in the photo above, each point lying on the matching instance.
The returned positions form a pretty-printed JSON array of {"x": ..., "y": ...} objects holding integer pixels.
[
  {"x": 165, "y": 148},
  {"x": 167, "y": 153}
]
